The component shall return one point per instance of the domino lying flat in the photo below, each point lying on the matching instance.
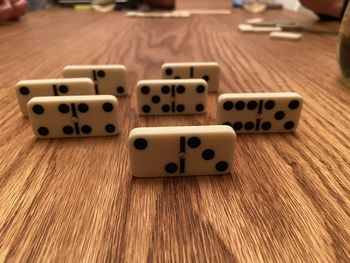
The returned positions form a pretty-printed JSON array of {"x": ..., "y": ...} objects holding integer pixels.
[
  {"x": 108, "y": 79},
  {"x": 181, "y": 151},
  {"x": 260, "y": 112},
  {"x": 258, "y": 29},
  {"x": 209, "y": 71},
  {"x": 73, "y": 116},
  {"x": 170, "y": 97},
  {"x": 286, "y": 36},
  {"x": 27, "y": 89}
]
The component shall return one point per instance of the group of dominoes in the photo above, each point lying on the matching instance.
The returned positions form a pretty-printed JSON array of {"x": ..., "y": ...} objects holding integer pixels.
[{"x": 83, "y": 103}]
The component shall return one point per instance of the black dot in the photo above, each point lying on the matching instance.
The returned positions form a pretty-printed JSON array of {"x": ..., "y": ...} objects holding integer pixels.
[
  {"x": 68, "y": 130},
  {"x": 200, "y": 89},
  {"x": 120, "y": 90},
  {"x": 140, "y": 144},
  {"x": 194, "y": 142},
  {"x": 240, "y": 105},
  {"x": 145, "y": 90},
  {"x": 165, "y": 89},
  {"x": 156, "y": 99},
  {"x": 252, "y": 105},
  {"x": 206, "y": 78},
  {"x": 180, "y": 108},
  {"x": 294, "y": 104},
  {"x": 208, "y": 154},
  {"x": 82, "y": 107},
  {"x": 101, "y": 73},
  {"x": 237, "y": 125},
  {"x": 24, "y": 90},
  {"x": 177, "y": 77},
  {"x": 86, "y": 129},
  {"x": 107, "y": 107},
  {"x": 180, "y": 89},
  {"x": 199, "y": 107},
  {"x": 228, "y": 105},
  {"x": 221, "y": 166},
  {"x": 227, "y": 123},
  {"x": 146, "y": 108},
  {"x": 269, "y": 105},
  {"x": 38, "y": 109},
  {"x": 266, "y": 126},
  {"x": 289, "y": 125},
  {"x": 249, "y": 126},
  {"x": 63, "y": 89},
  {"x": 169, "y": 71},
  {"x": 63, "y": 108},
  {"x": 279, "y": 115},
  {"x": 110, "y": 128},
  {"x": 165, "y": 108},
  {"x": 43, "y": 131},
  {"x": 171, "y": 168}
]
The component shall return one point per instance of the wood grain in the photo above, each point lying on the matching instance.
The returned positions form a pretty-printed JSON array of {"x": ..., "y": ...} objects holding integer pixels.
[{"x": 287, "y": 199}]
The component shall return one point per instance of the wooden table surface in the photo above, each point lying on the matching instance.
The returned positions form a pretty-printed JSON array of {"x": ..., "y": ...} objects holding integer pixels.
[{"x": 287, "y": 199}]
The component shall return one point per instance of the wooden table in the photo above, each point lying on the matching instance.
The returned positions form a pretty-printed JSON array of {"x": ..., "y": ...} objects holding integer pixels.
[{"x": 287, "y": 199}]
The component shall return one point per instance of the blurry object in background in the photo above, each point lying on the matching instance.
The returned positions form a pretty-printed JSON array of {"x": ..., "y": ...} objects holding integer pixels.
[
  {"x": 307, "y": 26},
  {"x": 12, "y": 9},
  {"x": 82, "y": 7},
  {"x": 103, "y": 6},
  {"x": 329, "y": 8},
  {"x": 162, "y": 4},
  {"x": 293, "y": 5},
  {"x": 122, "y": 4},
  {"x": 203, "y": 4},
  {"x": 274, "y": 6},
  {"x": 127, "y": 4},
  {"x": 38, "y": 4},
  {"x": 343, "y": 46},
  {"x": 270, "y": 4},
  {"x": 158, "y": 14},
  {"x": 237, "y": 3},
  {"x": 254, "y": 6}
]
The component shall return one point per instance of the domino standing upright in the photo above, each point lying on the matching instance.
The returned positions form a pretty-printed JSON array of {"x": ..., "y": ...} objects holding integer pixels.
[
  {"x": 209, "y": 71},
  {"x": 181, "y": 151},
  {"x": 27, "y": 89},
  {"x": 108, "y": 79},
  {"x": 74, "y": 116},
  {"x": 260, "y": 112},
  {"x": 171, "y": 97}
]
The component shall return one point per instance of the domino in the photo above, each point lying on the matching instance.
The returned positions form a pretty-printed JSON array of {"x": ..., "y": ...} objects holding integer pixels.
[
  {"x": 209, "y": 71},
  {"x": 27, "y": 89},
  {"x": 286, "y": 36},
  {"x": 108, "y": 79},
  {"x": 247, "y": 28},
  {"x": 172, "y": 96},
  {"x": 181, "y": 151},
  {"x": 260, "y": 112},
  {"x": 74, "y": 116}
]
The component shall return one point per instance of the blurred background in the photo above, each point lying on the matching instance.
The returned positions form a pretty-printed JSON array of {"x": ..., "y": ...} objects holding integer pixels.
[{"x": 179, "y": 4}]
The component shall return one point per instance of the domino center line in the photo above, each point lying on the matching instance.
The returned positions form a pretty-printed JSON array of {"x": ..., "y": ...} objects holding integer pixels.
[
  {"x": 55, "y": 92},
  {"x": 95, "y": 82},
  {"x": 258, "y": 119},
  {"x": 75, "y": 117},
  {"x": 173, "y": 98},
  {"x": 182, "y": 154}
]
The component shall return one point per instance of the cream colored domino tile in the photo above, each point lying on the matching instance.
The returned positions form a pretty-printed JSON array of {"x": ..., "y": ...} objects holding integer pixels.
[
  {"x": 74, "y": 116},
  {"x": 181, "y": 151}
]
